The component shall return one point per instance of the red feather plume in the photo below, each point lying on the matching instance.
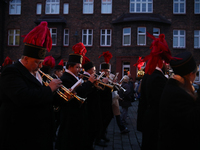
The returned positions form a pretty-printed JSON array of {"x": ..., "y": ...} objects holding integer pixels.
[
  {"x": 107, "y": 56},
  {"x": 49, "y": 61},
  {"x": 79, "y": 48},
  {"x": 159, "y": 52},
  {"x": 61, "y": 63},
  {"x": 139, "y": 63},
  {"x": 85, "y": 60},
  {"x": 40, "y": 36},
  {"x": 7, "y": 61}
]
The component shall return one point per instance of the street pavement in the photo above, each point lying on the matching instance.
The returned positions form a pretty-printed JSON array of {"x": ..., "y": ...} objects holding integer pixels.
[{"x": 129, "y": 141}]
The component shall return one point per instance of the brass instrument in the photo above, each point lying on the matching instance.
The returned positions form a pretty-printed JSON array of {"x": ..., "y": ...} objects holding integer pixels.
[
  {"x": 62, "y": 91},
  {"x": 117, "y": 85},
  {"x": 98, "y": 83}
]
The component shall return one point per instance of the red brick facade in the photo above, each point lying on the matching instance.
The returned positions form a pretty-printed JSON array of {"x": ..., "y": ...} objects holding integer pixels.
[{"x": 76, "y": 21}]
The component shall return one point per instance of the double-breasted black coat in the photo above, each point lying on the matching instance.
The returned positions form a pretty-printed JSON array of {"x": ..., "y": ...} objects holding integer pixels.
[
  {"x": 70, "y": 135},
  {"x": 148, "y": 109},
  {"x": 92, "y": 117},
  {"x": 26, "y": 112},
  {"x": 179, "y": 119}
]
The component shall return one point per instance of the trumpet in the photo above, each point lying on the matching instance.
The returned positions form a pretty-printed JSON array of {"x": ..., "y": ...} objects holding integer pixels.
[
  {"x": 112, "y": 78},
  {"x": 98, "y": 83},
  {"x": 62, "y": 91}
]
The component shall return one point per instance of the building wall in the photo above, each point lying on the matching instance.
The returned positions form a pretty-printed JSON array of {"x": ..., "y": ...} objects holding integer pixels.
[{"x": 76, "y": 21}]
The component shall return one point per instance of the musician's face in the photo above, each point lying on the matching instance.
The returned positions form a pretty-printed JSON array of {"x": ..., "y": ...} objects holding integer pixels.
[
  {"x": 92, "y": 70},
  {"x": 75, "y": 69},
  {"x": 106, "y": 71},
  {"x": 33, "y": 64},
  {"x": 59, "y": 73}
]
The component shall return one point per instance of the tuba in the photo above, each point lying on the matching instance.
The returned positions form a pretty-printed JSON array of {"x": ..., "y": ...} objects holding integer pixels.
[{"x": 62, "y": 91}]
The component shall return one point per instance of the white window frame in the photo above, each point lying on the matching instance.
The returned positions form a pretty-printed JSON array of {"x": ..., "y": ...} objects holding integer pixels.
[
  {"x": 156, "y": 35},
  {"x": 51, "y": 4},
  {"x": 141, "y": 34},
  {"x": 107, "y": 37},
  {"x": 126, "y": 34},
  {"x": 198, "y": 39},
  {"x": 88, "y": 6},
  {"x": 53, "y": 34},
  {"x": 14, "y": 35},
  {"x": 179, "y": 2},
  {"x": 15, "y": 4},
  {"x": 179, "y": 39},
  {"x": 135, "y": 3},
  {"x": 106, "y": 4},
  {"x": 66, "y": 34},
  {"x": 196, "y": 3},
  {"x": 39, "y": 8},
  {"x": 66, "y": 8},
  {"x": 88, "y": 35}
]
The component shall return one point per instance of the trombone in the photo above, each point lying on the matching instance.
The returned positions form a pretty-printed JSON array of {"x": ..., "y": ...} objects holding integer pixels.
[{"x": 62, "y": 91}]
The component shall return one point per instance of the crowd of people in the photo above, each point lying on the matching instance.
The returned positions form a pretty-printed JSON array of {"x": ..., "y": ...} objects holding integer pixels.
[{"x": 72, "y": 105}]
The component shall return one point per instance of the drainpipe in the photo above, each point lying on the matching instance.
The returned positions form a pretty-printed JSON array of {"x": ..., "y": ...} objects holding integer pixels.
[{"x": 2, "y": 48}]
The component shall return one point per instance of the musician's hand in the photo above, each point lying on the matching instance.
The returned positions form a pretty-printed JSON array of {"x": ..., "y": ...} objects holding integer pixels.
[
  {"x": 55, "y": 84},
  {"x": 92, "y": 78},
  {"x": 105, "y": 80}
]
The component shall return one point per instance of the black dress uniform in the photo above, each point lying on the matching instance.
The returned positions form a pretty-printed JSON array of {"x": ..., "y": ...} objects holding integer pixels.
[
  {"x": 26, "y": 115},
  {"x": 148, "y": 108},
  {"x": 92, "y": 117},
  {"x": 70, "y": 135},
  {"x": 26, "y": 112}
]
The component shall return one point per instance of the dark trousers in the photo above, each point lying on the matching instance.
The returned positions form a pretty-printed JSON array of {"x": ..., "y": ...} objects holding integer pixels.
[{"x": 119, "y": 123}]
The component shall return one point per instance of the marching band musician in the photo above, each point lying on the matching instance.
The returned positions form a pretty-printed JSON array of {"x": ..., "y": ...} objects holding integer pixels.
[
  {"x": 93, "y": 118},
  {"x": 152, "y": 86},
  {"x": 72, "y": 112},
  {"x": 57, "y": 73},
  {"x": 106, "y": 101},
  {"x": 26, "y": 120}
]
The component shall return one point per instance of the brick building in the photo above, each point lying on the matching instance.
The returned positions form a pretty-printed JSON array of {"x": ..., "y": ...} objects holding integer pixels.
[{"x": 118, "y": 26}]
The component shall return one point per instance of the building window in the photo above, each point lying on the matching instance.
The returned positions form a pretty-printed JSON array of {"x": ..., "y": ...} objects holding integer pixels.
[
  {"x": 141, "y": 6},
  {"x": 52, "y": 6},
  {"x": 66, "y": 37},
  {"x": 87, "y": 35},
  {"x": 179, "y": 6},
  {"x": 126, "y": 36},
  {"x": 53, "y": 32},
  {"x": 13, "y": 37},
  {"x": 156, "y": 32},
  {"x": 106, "y": 6},
  {"x": 141, "y": 37},
  {"x": 197, "y": 79},
  {"x": 39, "y": 9},
  {"x": 196, "y": 38},
  {"x": 65, "y": 8},
  {"x": 88, "y": 6},
  {"x": 105, "y": 37},
  {"x": 125, "y": 68},
  {"x": 15, "y": 7},
  {"x": 197, "y": 6},
  {"x": 179, "y": 39}
]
